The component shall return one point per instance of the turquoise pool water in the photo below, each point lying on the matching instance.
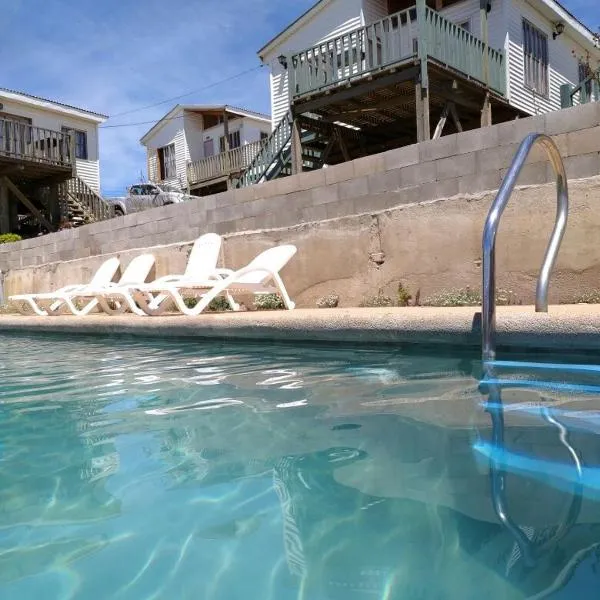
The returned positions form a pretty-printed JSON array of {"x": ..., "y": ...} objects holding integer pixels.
[{"x": 201, "y": 470}]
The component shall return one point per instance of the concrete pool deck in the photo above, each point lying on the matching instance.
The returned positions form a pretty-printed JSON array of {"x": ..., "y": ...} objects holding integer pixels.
[{"x": 563, "y": 327}]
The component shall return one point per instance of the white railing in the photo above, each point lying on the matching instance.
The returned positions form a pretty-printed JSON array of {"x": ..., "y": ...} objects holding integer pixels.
[{"x": 224, "y": 164}]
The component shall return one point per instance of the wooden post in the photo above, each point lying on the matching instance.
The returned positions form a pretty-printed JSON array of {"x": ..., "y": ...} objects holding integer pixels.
[
  {"x": 226, "y": 146},
  {"x": 486, "y": 112},
  {"x": 4, "y": 210},
  {"x": 422, "y": 84},
  {"x": 54, "y": 205},
  {"x": 296, "y": 147},
  {"x": 422, "y": 109},
  {"x": 72, "y": 153},
  {"x": 483, "y": 4}
]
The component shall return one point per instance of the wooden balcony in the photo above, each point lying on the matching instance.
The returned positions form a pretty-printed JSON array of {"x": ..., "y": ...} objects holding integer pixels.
[
  {"x": 404, "y": 38},
  {"x": 221, "y": 166},
  {"x": 34, "y": 151}
]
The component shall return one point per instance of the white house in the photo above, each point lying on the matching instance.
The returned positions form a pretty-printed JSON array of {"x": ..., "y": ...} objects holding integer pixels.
[
  {"x": 44, "y": 115},
  {"x": 201, "y": 148},
  {"x": 542, "y": 45}
]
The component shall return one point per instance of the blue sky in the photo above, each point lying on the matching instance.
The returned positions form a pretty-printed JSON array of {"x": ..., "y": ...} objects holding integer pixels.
[{"x": 113, "y": 56}]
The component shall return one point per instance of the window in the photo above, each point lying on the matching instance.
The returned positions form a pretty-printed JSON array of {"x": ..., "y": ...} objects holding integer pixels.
[
  {"x": 585, "y": 71},
  {"x": 81, "y": 149},
  {"x": 234, "y": 141},
  {"x": 263, "y": 136},
  {"x": 166, "y": 162},
  {"x": 535, "y": 53}
]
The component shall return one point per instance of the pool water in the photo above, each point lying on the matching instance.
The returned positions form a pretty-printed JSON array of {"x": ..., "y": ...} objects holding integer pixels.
[{"x": 194, "y": 469}]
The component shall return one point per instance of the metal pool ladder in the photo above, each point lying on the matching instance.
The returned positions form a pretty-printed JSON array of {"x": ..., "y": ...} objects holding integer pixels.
[
  {"x": 488, "y": 315},
  {"x": 491, "y": 385}
]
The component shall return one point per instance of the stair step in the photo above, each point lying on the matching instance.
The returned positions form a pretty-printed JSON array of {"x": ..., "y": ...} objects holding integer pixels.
[{"x": 553, "y": 386}]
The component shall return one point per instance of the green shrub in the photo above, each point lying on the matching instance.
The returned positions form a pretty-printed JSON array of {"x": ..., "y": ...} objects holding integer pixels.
[
  {"x": 376, "y": 301},
  {"x": 7, "y": 238},
  {"x": 330, "y": 301},
  {"x": 219, "y": 304},
  {"x": 588, "y": 297},
  {"x": 404, "y": 297},
  {"x": 468, "y": 297},
  {"x": 455, "y": 297},
  {"x": 268, "y": 302}
]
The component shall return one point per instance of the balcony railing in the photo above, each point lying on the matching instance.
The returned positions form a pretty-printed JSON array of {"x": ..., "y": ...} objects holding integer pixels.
[
  {"x": 390, "y": 42},
  {"x": 35, "y": 144},
  {"x": 222, "y": 165}
]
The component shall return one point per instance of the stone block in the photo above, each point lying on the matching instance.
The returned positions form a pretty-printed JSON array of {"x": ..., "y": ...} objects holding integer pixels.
[
  {"x": 455, "y": 166},
  {"x": 285, "y": 185},
  {"x": 417, "y": 174},
  {"x": 377, "y": 202},
  {"x": 479, "y": 182},
  {"x": 222, "y": 199},
  {"x": 228, "y": 213},
  {"x": 388, "y": 181},
  {"x": 355, "y": 188},
  {"x": 584, "y": 141},
  {"x": 325, "y": 194},
  {"x": 443, "y": 147},
  {"x": 241, "y": 195},
  {"x": 584, "y": 165},
  {"x": 368, "y": 165},
  {"x": 298, "y": 199},
  {"x": 477, "y": 139},
  {"x": 534, "y": 174},
  {"x": 314, "y": 213},
  {"x": 514, "y": 132},
  {"x": 401, "y": 157},
  {"x": 572, "y": 119},
  {"x": 445, "y": 188},
  {"x": 336, "y": 210},
  {"x": 337, "y": 173},
  {"x": 310, "y": 180}
]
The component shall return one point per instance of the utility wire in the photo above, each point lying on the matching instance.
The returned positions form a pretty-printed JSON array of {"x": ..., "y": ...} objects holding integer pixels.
[
  {"x": 167, "y": 100},
  {"x": 139, "y": 123}
]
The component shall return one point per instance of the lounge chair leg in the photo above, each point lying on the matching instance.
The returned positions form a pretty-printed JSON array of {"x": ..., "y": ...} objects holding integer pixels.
[{"x": 287, "y": 301}]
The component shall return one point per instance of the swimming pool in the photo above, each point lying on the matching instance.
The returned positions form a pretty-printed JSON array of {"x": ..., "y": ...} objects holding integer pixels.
[{"x": 196, "y": 469}]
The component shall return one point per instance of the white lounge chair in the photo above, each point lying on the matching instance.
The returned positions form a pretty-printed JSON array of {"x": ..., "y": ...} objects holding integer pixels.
[
  {"x": 104, "y": 275},
  {"x": 136, "y": 273},
  {"x": 201, "y": 266},
  {"x": 261, "y": 276}
]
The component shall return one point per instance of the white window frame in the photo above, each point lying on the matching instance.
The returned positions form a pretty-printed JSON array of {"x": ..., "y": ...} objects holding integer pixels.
[{"x": 168, "y": 165}]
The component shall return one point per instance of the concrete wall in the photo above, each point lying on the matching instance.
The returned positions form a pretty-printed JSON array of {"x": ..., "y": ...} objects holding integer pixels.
[
  {"x": 431, "y": 245},
  {"x": 428, "y": 246}
]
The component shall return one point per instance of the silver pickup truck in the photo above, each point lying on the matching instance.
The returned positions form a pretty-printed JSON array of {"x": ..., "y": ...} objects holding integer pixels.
[{"x": 143, "y": 196}]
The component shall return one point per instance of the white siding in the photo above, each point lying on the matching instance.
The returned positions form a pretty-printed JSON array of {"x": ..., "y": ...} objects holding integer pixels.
[
  {"x": 252, "y": 129},
  {"x": 373, "y": 10},
  {"x": 172, "y": 132},
  {"x": 335, "y": 18},
  {"x": 194, "y": 126},
  {"x": 88, "y": 170},
  {"x": 563, "y": 63}
]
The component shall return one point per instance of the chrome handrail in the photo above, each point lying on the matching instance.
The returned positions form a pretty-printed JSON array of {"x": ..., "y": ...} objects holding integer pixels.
[{"x": 488, "y": 321}]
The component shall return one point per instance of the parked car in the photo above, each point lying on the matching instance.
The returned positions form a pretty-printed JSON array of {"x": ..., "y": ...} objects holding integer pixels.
[{"x": 143, "y": 196}]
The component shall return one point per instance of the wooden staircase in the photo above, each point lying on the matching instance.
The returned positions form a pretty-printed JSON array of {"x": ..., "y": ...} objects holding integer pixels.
[
  {"x": 322, "y": 143},
  {"x": 81, "y": 205}
]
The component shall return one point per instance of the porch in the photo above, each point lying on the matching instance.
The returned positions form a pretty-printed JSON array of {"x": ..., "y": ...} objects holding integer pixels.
[
  {"x": 39, "y": 188},
  {"x": 213, "y": 172},
  {"x": 409, "y": 77}
]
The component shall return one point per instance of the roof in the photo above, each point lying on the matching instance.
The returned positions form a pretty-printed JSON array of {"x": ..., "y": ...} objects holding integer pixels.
[
  {"x": 303, "y": 19},
  {"x": 204, "y": 109},
  {"x": 294, "y": 26},
  {"x": 51, "y": 105}
]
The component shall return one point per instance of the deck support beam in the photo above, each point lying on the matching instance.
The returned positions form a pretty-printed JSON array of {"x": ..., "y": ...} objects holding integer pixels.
[
  {"x": 486, "y": 112},
  {"x": 296, "y": 147},
  {"x": 226, "y": 146},
  {"x": 4, "y": 209},
  {"x": 23, "y": 199},
  {"x": 422, "y": 109}
]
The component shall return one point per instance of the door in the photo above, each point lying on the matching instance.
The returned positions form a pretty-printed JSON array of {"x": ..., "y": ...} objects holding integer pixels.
[{"x": 209, "y": 148}]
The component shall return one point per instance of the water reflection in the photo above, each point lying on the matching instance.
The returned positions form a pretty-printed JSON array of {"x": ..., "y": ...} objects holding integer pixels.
[{"x": 203, "y": 471}]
